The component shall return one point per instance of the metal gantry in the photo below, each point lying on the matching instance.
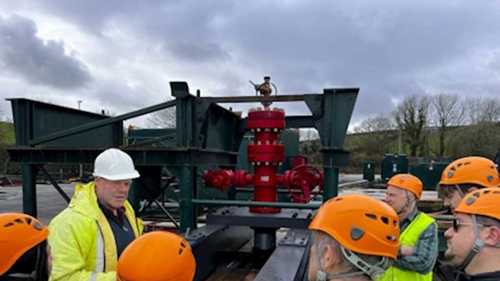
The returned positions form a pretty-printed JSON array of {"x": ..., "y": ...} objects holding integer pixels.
[{"x": 206, "y": 136}]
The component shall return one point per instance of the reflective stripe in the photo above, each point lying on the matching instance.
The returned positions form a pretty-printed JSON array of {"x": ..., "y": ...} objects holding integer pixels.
[
  {"x": 99, "y": 262},
  {"x": 93, "y": 277}
]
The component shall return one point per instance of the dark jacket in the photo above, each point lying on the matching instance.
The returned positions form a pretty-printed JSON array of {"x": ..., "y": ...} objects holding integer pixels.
[{"x": 489, "y": 276}]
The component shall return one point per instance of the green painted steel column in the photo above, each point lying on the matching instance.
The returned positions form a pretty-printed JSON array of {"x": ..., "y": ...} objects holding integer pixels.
[
  {"x": 187, "y": 208},
  {"x": 331, "y": 182},
  {"x": 134, "y": 197},
  {"x": 29, "y": 189}
]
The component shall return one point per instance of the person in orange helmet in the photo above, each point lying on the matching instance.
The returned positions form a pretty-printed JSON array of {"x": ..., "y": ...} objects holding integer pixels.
[
  {"x": 157, "y": 256},
  {"x": 465, "y": 175},
  {"x": 419, "y": 233},
  {"x": 474, "y": 239},
  {"x": 24, "y": 252},
  {"x": 354, "y": 237}
]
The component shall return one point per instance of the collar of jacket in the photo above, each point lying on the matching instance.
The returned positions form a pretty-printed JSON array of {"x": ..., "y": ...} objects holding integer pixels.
[{"x": 84, "y": 201}]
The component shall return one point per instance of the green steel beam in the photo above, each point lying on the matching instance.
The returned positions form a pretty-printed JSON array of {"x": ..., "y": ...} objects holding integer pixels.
[
  {"x": 29, "y": 189},
  {"x": 102, "y": 123},
  {"x": 141, "y": 156},
  {"x": 280, "y": 98},
  {"x": 254, "y": 204},
  {"x": 332, "y": 112}
]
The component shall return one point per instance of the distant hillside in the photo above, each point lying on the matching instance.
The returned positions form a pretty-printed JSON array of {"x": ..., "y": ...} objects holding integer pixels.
[
  {"x": 7, "y": 135},
  {"x": 481, "y": 139}
]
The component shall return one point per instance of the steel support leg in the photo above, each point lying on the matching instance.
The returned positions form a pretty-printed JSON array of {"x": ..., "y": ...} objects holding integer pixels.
[{"x": 29, "y": 189}]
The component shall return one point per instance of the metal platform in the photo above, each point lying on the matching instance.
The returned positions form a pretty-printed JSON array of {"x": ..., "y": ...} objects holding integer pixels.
[{"x": 291, "y": 218}]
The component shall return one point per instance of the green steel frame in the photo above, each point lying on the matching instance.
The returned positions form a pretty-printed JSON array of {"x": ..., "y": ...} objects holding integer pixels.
[{"x": 205, "y": 134}]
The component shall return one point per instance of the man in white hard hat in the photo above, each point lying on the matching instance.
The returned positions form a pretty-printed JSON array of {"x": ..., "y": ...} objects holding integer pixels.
[{"x": 88, "y": 237}]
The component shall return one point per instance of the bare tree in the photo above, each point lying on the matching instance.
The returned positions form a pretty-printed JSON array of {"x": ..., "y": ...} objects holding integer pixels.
[
  {"x": 480, "y": 109},
  {"x": 482, "y": 139},
  {"x": 447, "y": 111},
  {"x": 411, "y": 118},
  {"x": 163, "y": 118},
  {"x": 372, "y": 138},
  {"x": 378, "y": 123}
]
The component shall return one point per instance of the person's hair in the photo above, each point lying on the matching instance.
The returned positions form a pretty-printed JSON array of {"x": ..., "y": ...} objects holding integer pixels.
[
  {"x": 465, "y": 187},
  {"x": 487, "y": 221},
  {"x": 323, "y": 240}
]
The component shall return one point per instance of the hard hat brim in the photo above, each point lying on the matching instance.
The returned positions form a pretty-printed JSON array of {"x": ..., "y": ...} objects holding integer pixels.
[{"x": 128, "y": 176}]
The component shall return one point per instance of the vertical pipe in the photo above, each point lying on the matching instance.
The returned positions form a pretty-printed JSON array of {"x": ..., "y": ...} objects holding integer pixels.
[{"x": 29, "y": 189}]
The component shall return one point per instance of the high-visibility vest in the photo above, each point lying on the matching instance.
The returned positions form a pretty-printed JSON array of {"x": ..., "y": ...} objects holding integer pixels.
[{"x": 410, "y": 237}]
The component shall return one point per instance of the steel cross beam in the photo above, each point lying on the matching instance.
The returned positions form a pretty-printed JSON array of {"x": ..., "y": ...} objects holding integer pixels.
[{"x": 141, "y": 156}]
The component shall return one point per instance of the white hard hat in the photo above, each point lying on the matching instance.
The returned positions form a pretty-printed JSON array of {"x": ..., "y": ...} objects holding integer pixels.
[{"x": 114, "y": 164}]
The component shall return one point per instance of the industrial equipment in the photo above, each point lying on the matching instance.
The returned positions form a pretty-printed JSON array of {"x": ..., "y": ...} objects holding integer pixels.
[{"x": 177, "y": 165}]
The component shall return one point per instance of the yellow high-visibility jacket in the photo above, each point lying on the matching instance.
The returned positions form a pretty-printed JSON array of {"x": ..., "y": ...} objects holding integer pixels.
[
  {"x": 409, "y": 237},
  {"x": 82, "y": 242}
]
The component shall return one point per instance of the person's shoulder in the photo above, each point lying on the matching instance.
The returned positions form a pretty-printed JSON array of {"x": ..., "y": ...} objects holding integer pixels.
[{"x": 70, "y": 218}]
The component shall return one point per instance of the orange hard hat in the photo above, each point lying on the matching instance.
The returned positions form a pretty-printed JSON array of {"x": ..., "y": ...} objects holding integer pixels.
[
  {"x": 157, "y": 256},
  {"x": 407, "y": 182},
  {"x": 361, "y": 224},
  {"x": 471, "y": 170},
  {"x": 18, "y": 234},
  {"x": 484, "y": 202}
]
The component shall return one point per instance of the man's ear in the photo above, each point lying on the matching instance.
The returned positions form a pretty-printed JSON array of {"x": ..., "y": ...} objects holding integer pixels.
[
  {"x": 492, "y": 236},
  {"x": 330, "y": 258}
]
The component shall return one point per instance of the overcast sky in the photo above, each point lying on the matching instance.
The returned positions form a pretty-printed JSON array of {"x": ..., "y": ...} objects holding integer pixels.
[{"x": 120, "y": 55}]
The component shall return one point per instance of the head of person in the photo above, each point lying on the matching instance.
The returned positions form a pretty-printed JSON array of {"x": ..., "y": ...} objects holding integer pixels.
[
  {"x": 25, "y": 253},
  {"x": 157, "y": 256},
  {"x": 465, "y": 175},
  {"x": 113, "y": 171},
  {"x": 474, "y": 239},
  {"x": 352, "y": 235},
  {"x": 402, "y": 193}
]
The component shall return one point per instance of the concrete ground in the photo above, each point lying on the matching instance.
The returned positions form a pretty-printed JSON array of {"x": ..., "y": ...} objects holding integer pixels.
[{"x": 50, "y": 203}]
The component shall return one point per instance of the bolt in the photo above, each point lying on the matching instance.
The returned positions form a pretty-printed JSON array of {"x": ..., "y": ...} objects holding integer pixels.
[
  {"x": 258, "y": 130},
  {"x": 267, "y": 163}
]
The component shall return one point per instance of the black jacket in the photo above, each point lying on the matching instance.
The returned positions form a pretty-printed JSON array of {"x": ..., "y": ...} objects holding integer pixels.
[{"x": 490, "y": 276}]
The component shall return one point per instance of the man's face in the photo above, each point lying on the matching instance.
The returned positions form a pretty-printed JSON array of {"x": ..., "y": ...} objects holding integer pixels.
[
  {"x": 313, "y": 263},
  {"x": 396, "y": 198},
  {"x": 459, "y": 239},
  {"x": 112, "y": 194},
  {"x": 451, "y": 197}
]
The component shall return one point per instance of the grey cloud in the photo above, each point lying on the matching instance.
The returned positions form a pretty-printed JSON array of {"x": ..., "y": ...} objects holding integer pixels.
[
  {"x": 387, "y": 48},
  {"x": 197, "y": 52},
  {"x": 38, "y": 62},
  {"x": 185, "y": 29}
]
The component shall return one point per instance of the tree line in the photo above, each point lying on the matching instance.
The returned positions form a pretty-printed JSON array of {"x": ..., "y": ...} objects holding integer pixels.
[{"x": 431, "y": 126}]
